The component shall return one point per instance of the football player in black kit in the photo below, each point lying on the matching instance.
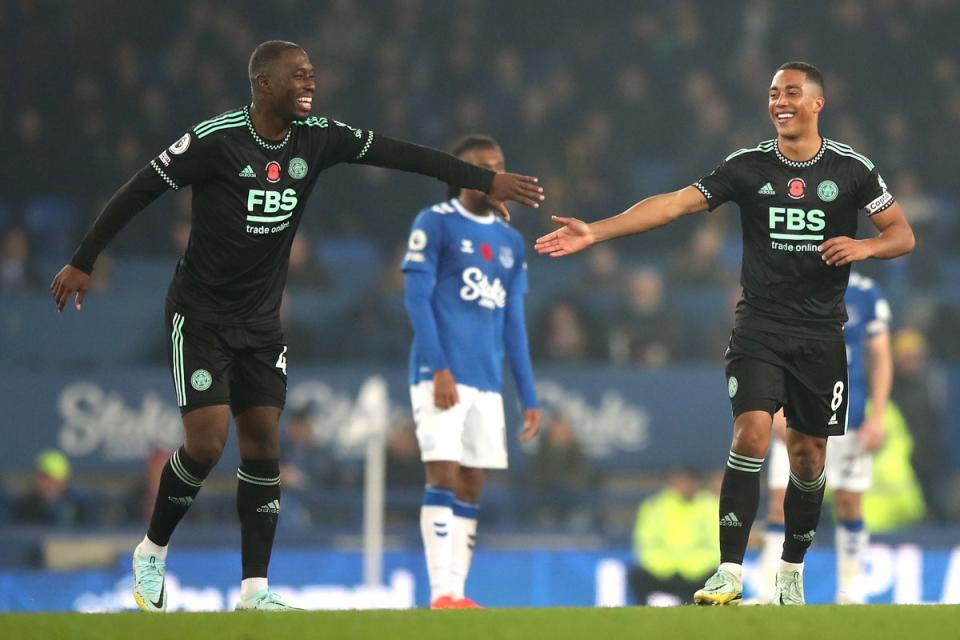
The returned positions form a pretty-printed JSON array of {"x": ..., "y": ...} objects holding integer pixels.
[
  {"x": 799, "y": 197},
  {"x": 251, "y": 171}
]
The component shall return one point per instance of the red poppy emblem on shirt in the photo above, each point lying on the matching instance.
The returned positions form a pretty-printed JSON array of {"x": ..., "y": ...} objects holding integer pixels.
[
  {"x": 795, "y": 188},
  {"x": 273, "y": 171},
  {"x": 486, "y": 251}
]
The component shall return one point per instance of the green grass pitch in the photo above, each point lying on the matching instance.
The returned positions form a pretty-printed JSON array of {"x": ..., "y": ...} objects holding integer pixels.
[{"x": 743, "y": 623}]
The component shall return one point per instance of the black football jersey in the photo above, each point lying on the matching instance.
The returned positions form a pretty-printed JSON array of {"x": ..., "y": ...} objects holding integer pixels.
[
  {"x": 787, "y": 210},
  {"x": 248, "y": 196}
]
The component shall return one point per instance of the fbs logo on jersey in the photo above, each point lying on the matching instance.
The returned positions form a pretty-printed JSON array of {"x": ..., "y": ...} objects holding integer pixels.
[
  {"x": 797, "y": 221},
  {"x": 273, "y": 171},
  {"x": 271, "y": 201},
  {"x": 796, "y": 188},
  {"x": 477, "y": 286}
]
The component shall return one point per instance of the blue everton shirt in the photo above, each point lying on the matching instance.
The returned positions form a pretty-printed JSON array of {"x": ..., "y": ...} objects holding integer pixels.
[
  {"x": 478, "y": 263},
  {"x": 869, "y": 316}
]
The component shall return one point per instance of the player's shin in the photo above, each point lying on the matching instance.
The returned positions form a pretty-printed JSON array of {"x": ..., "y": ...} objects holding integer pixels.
[
  {"x": 464, "y": 534},
  {"x": 851, "y": 542},
  {"x": 436, "y": 522},
  {"x": 801, "y": 510},
  {"x": 180, "y": 481},
  {"x": 739, "y": 499},
  {"x": 258, "y": 506}
]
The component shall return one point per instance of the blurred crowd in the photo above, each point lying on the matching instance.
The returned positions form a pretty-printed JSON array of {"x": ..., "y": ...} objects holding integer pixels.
[{"x": 606, "y": 105}]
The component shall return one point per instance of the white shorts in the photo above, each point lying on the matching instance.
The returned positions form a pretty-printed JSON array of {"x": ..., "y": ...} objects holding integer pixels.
[
  {"x": 848, "y": 467},
  {"x": 472, "y": 432}
]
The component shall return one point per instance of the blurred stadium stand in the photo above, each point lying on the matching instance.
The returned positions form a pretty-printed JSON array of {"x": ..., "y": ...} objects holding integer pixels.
[{"x": 605, "y": 106}]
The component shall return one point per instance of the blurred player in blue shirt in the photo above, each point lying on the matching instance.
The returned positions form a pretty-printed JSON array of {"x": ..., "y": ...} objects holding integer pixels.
[
  {"x": 849, "y": 457},
  {"x": 465, "y": 276}
]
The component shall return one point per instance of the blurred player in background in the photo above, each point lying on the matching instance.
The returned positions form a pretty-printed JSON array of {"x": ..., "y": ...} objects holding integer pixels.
[
  {"x": 799, "y": 197},
  {"x": 251, "y": 170},
  {"x": 466, "y": 276},
  {"x": 850, "y": 456}
]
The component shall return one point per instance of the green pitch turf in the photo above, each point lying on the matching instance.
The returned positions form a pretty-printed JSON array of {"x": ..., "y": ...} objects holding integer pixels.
[{"x": 743, "y": 623}]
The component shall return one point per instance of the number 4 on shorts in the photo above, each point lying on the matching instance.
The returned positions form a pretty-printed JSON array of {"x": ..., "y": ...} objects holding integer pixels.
[{"x": 282, "y": 361}]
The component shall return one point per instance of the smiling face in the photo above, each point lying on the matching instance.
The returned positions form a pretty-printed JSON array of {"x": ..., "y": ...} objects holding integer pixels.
[
  {"x": 295, "y": 82},
  {"x": 794, "y": 103},
  {"x": 288, "y": 82}
]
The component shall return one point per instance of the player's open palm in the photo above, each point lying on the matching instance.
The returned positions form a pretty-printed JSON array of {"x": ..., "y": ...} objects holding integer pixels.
[
  {"x": 573, "y": 236},
  {"x": 69, "y": 280},
  {"x": 516, "y": 188}
]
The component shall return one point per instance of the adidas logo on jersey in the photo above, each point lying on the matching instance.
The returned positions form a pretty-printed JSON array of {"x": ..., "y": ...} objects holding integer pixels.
[
  {"x": 247, "y": 172},
  {"x": 833, "y": 420},
  {"x": 271, "y": 507},
  {"x": 730, "y": 520},
  {"x": 767, "y": 190}
]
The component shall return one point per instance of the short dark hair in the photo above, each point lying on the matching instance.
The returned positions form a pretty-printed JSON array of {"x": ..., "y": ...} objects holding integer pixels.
[
  {"x": 469, "y": 143},
  {"x": 813, "y": 74},
  {"x": 266, "y": 53}
]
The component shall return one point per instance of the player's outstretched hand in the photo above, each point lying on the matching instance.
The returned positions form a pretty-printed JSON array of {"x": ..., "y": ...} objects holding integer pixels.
[
  {"x": 531, "y": 424},
  {"x": 445, "y": 389},
  {"x": 573, "y": 236},
  {"x": 512, "y": 186},
  {"x": 67, "y": 281},
  {"x": 842, "y": 250}
]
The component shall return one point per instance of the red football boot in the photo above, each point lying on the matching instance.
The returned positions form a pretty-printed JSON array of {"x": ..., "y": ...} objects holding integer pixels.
[
  {"x": 465, "y": 603},
  {"x": 444, "y": 602}
]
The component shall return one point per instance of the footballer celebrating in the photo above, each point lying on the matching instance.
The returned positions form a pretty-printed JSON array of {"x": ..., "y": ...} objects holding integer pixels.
[
  {"x": 251, "y": 171},
  {"x": 799, "y": 197}
]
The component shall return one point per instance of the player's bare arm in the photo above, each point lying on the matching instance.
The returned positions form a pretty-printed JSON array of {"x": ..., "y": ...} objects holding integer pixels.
[
  {"x": 895, "y": 239},
  {"x": 650, "y": 213},
  {"x": 68, "y": 281},
  {"x": 872, "y": 434}
]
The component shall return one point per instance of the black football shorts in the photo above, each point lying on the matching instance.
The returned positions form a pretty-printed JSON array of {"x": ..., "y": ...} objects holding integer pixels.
[
  {"x": 805, "y": 376},
  {"x": 243, "y": 366}
]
